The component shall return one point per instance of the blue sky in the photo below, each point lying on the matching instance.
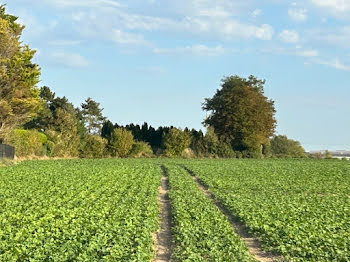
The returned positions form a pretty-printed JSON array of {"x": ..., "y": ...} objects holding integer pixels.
[{"x": 156, "y": 60}]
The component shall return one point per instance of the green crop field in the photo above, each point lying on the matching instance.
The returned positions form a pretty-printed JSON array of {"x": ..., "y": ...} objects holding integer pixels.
[{"x": 109, "y": 210}]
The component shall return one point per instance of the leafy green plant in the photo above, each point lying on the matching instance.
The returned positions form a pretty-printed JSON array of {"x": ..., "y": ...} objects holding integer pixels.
[
  {"x": 201, "y": 231},
  {"x": 298, "y": 208},
  {"x": 78, "y": 210}
]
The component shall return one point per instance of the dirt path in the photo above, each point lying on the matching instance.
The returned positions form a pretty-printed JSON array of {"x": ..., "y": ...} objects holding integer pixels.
[
  {"x": 164, "y": 239},
  {"x": 252, "y": 243}
]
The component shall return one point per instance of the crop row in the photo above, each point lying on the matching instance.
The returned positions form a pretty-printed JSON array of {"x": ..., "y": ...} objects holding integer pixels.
[
  {"x": 201, "y": 232},
  {"x": 78, "y": 210},
  {"x": 298, "y": 208}
]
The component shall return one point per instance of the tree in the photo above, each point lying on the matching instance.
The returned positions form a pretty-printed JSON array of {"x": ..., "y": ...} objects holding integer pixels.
[
  {"x": 93, "y": 116},
  {"x": 107, "y": 130},
  {"x": 19, "y": 97},
  {"x": 281, "y": 146},
  {"x": 44, "y": 116},
  {"x": 176, "y": 141},
  {"x": 121, "y": 142},
  {"x": 63, "y": 133},
  {"x": 241, "y": 114}
]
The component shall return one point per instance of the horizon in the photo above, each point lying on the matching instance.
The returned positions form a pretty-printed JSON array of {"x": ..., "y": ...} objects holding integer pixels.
[{"x": 155, "y": 61}]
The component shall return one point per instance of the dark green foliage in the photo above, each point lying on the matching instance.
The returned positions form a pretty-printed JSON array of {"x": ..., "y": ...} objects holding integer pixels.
[
  {"x": 107, "y": 130},
  {"x": 241, "y": 114},
  {"x": 281, "y": 146}
]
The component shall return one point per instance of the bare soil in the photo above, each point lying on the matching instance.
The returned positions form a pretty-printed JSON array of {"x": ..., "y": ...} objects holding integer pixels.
[{"x": 164, "y": 239}]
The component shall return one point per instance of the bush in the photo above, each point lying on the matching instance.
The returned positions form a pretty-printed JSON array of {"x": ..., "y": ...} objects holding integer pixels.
[
  {"x": 175, "y": 142},
  {"x": 62, "y": 145},
  {"x": 94, "y": 147},
  {"x": 121, "y": 142},
  {"x": 28, "y": 142},
  {"x": 225, "y": 150},
  {"x": 239, "y": 154},
  {"x": 141, "y": 149},
  {"x": 281, "y": 146}
]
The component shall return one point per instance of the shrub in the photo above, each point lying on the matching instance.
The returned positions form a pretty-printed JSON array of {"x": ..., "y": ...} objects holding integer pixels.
[
  {"x": 94, "y": 147},
  {"x": 175, "y": 142},
  {"x": 281, "y": 146},
  {"x": 141, "y": 149},
  {"x": 121, "y": 142},
  {"x": 28, "y": 142}
]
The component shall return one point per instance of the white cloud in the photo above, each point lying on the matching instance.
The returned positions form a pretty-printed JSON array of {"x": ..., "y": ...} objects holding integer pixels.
[
  {"x": 307, "y": 53},
  {"x": 121, "y": 37},
  {"x": 299, "y": 15},
  {"x": 205, "y": 23},
  {"x": 289, "y": 36},
  {"x": 97, "y": 23},
  {"x": 33, "y": 27},
  {"x": 65, "y": 42},
  {"x": 84, "y": 3},
  {"x": 338, "y": 6},
  {"x": 336, "y": 63},
  {"x": 335, "y": 37},
  {"x": 197, "y": 50},
  {"x": 152, "y": 69},
  {"x": 69, "y": 59},
  {"x": 297, "y": 51},
  {"x": 256, "y": 12}
]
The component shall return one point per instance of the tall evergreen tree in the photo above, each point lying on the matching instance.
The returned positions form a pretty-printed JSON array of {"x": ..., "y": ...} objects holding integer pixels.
[{"x": 93, "y": 116}]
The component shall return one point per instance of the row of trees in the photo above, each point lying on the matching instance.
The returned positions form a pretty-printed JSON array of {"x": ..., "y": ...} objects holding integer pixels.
[{"x": 37, "y": 122}]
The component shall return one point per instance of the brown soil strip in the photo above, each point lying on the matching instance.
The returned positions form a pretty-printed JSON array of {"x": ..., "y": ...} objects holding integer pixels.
[
  {"x": 163, "y": 238},
  {"x": 251, "y": 242}
]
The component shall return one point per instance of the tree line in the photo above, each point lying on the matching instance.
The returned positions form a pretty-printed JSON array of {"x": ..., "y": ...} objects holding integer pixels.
[{"x": 240, "y": 123}]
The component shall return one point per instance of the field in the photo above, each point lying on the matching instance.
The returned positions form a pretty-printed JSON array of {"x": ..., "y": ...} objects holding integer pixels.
[{"x": 111, "y": 210}]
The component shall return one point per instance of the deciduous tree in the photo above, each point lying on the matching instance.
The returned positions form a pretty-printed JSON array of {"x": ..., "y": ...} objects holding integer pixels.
[{"x": 241, "y": 113}]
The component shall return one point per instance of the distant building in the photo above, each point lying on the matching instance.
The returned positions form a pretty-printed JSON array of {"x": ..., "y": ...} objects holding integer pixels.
[{"x": 339, "y": 154}]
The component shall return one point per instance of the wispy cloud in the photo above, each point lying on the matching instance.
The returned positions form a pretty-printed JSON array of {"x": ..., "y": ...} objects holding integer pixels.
[
  {"x": 206, "y": 23},
  {"x": 65, "y": 42},
  {"x": 289, "y": 36},
  {"x": 298, "y": 14},
  {"x": 84, "y": 3},
  {"x": 335, "y": 63},
  {"x": 338, "y": 6},
  {"x": 69, "y": 59},
  {"x": 197, "y": 50},
  {"x": 126, "y": 38},
  {"x": 307, "y": 53},
  {"x": 256, "y": 12},
  {"x": 337, "y": 36}
]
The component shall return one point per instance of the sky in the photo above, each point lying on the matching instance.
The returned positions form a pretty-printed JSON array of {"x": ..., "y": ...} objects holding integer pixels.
[{"x": 156, "y": 60}]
